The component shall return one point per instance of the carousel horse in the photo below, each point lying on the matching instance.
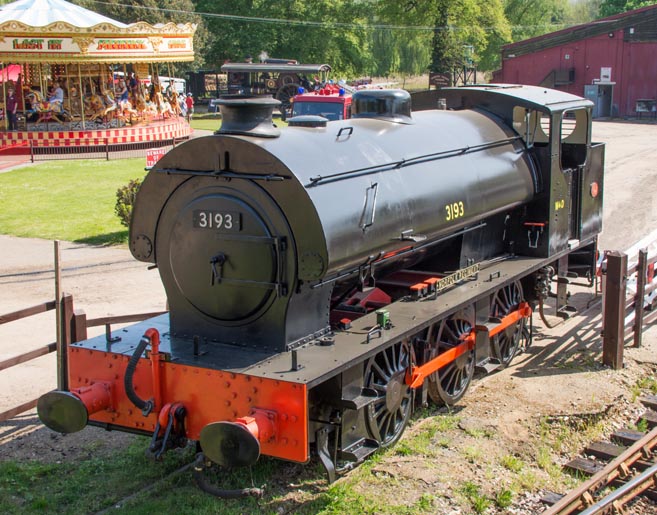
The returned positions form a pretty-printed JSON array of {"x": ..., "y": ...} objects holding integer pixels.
[
  {"x": 150, "y": 108},
  {"x": 95, "y": 107},
  {"x": 163, "y": 106},
  {"x": 110, "y": 106},
  {"x": 126, "y": 112},
  {"x": 75, "y": 102},
  {"x": 140, "y": 105},
  {"x": 32, "y": 99},
  {"x": 174, "y": 103},
  {"x": 44, "y": 110}
]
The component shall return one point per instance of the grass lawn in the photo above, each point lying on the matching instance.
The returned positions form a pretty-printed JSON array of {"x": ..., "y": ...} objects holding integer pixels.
[
  {"x": 67, "y": 200},
  {"x": 206, "y": 122},
  {"x": 212, "y": 122},
  {"x": 118, "y": 482}
]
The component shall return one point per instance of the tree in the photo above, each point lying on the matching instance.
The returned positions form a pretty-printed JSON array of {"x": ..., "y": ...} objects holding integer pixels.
[
  {"x": 323, "y": 31},
  {"x": 156, "y": 11},
  {"x": 611, "y": 7},
  {"x": 455, "y": 23},
  {"x": 582, "y": 11},
  {"x": 531, "y": 18}
]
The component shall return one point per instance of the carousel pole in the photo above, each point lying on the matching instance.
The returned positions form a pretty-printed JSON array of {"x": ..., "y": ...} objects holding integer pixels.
[
  {"x": 159, "y": 89},
  {"x": 68, "y": 88},
  {"x": 81, "y": 95},
  {"x": 4, "y": 94},
  {"x": 43, "y": 97}
]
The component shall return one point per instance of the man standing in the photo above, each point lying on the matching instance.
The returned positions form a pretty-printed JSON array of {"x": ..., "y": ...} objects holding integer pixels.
[{"x": 12, "y": 106}]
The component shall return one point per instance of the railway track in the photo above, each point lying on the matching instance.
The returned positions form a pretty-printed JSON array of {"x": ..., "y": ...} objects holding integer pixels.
[{"x": 630, "y": 471}]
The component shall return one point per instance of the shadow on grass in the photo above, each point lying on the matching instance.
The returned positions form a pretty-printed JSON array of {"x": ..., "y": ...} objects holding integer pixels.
[{"x": 110, "y": 238}]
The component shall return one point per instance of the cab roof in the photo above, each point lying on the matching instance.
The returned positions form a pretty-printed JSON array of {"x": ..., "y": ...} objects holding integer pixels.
[{"x": 536, "y": 97}]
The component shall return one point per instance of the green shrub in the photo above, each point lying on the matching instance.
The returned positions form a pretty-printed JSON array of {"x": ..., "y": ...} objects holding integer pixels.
[{"x": 125, "y": 199}]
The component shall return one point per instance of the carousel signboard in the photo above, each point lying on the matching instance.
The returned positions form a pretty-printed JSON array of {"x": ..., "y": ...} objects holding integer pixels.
[{"x": 99, "y": 47}]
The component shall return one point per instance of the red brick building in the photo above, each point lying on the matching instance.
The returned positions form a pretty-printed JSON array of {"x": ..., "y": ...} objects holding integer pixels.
[{"x": 612, "y": 61}]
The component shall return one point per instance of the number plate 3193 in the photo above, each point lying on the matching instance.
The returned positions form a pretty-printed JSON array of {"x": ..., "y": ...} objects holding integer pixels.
[{"x": 217, "y": 220}]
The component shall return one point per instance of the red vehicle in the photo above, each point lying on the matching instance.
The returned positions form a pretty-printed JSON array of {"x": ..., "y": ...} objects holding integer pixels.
[{"x": 332, "y": 102}]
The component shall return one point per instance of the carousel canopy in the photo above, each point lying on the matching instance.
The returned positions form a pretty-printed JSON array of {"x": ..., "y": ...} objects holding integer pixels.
[
  {"x": 40, "y": 13},
  {"x": 47, "y": 31}
]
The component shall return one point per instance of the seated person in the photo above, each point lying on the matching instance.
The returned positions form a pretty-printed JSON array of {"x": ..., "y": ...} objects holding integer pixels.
[
  {"x": 122, "y": 91},
  {"x": 57, "y": 96}
]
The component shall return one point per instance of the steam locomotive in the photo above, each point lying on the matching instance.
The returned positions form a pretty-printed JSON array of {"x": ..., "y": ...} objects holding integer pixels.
[{"x": 326, "y": 278}]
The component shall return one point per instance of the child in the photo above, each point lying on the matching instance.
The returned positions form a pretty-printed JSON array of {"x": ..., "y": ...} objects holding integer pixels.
[{"x": 189, "y": 102}]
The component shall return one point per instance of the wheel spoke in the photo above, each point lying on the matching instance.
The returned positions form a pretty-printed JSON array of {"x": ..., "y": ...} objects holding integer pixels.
[
  {"x": 382, "y": 375},
  {"x": 447, "y": 369},
  {"x": 379, "y": 388},
  {"x": 387, "y": 365},
  {"x": 455, "y": 380}
]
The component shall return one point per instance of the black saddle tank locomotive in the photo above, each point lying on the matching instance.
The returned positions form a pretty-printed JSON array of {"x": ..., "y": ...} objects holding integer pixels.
[{"x": 323, "y": 277}]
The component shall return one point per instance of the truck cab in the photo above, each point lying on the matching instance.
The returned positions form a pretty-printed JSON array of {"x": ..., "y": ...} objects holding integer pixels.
[{"x": 331, "y": 101}]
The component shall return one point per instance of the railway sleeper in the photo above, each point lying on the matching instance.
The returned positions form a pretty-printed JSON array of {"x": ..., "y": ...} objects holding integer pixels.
[{"x": 627, "y": 465}]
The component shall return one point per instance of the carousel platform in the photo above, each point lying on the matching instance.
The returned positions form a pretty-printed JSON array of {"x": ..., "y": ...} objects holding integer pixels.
[{"x": 63, "y": 136}]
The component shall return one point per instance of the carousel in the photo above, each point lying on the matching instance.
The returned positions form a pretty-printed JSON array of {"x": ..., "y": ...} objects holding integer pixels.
[{"x": 72, "y": 77}]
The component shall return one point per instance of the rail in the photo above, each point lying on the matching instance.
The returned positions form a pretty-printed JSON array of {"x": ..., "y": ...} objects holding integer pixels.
[
  {"x": 629, "y": 298},
  {"x": 631, "y": 469},
  {"x": 97, "y": 148}
]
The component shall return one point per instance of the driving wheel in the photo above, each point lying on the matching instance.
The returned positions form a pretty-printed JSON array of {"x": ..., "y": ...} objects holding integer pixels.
[
  {"x": 448, "y": 384},
  {"x": 505, "y": 345},
  {"x": 385, "y": 373}
]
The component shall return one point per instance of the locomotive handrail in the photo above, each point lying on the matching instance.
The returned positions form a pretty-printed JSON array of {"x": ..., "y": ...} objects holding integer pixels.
[
  {"x": 224, "y": 173},
  {"x": 402, "y": 163}
]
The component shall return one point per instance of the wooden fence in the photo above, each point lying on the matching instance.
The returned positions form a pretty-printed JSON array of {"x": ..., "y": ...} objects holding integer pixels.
[
  {"x": 73, "y": 323},
  {"x": 623, "y": 314},
  {"x": 65, "y": 314}
]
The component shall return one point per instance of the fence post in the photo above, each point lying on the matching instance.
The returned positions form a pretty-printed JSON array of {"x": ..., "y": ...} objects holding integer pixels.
[
  {"x": 58, "y": 311},
  {"x": 641, "y": 275},
  {"x": 66, "y": 322},
  {"x": 107, "y": 149},
  {"x": 31, "y": 151},
  {"x": 78, "y": 326},
  {"x": 614, "y": 312}
]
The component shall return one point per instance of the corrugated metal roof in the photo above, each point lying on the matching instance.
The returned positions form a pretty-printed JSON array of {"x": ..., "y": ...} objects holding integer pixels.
[
  {"x": 40, "y": 13},
  {"x": 645, "y": 15}
]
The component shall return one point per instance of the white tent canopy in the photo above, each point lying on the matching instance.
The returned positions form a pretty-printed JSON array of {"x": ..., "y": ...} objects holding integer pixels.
[
  {"x": 40, "y": 13},
  {"x": 56, "y": 31}
]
